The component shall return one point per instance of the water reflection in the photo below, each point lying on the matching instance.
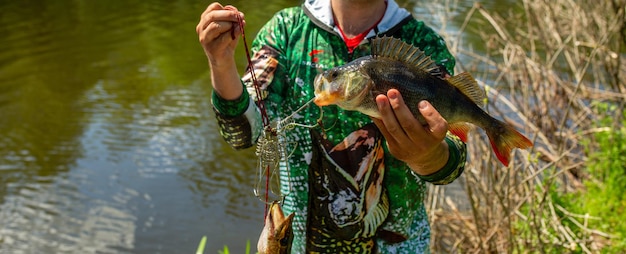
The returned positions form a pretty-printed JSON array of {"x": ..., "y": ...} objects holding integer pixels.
[{"x": 108, "y": 143}]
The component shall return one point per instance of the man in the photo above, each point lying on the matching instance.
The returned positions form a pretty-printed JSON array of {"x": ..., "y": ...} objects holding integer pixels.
[{"x": 290, "y": 50}]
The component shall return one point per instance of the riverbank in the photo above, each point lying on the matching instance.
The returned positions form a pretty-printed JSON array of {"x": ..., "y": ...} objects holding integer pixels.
[{"x": 556, "y": 70}]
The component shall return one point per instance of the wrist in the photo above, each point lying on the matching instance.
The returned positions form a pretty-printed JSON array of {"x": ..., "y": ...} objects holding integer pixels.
[
  {"x": 225, "y": 80},
  {"x": 222, "y": 63},
  {"x": 432, "y": 161},
  {"x": 231, "y": 108}
]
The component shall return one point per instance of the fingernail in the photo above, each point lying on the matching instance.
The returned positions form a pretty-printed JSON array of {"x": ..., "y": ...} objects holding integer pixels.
[
  {"x": 422, "y": 105},
  {"x": 393, "y": 96},
  {"x": 380, "y": 103}
]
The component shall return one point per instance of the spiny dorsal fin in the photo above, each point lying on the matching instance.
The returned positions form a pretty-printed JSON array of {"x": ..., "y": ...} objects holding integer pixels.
[
  {"x": 468, "y": 86},
  {"x": 396, "y": 49}
]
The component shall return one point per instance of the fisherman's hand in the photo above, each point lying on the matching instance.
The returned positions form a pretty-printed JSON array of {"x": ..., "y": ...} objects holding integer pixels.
[
  {"x": 422, "y": 147},
  {"x": 219, "y": 32}
]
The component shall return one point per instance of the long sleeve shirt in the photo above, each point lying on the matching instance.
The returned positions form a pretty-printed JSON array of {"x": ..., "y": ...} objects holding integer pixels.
[{"x": 290, "y": 50}]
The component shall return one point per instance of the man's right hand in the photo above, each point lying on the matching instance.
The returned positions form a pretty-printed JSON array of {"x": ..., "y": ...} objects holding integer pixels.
[{"x": 219, "y": 32}]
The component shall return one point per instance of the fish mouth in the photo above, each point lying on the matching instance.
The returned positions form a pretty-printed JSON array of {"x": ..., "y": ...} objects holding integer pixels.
[
  {"x": 325, "y": 99},
  {"x": 277, "y": 234},
  {"x": 326, "y": 93},
  {"x": 277, "y": 215}
]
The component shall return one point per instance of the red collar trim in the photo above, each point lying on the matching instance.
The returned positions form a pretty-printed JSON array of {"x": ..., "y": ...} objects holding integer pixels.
[{"x": 353, "y": 42}]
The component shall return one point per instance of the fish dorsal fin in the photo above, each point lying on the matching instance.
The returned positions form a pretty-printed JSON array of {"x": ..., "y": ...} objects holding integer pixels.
[
  {"x": 392, "y": 48},
  {"x": 468, "y": 86},
  {"x": 389, "y": 47}
]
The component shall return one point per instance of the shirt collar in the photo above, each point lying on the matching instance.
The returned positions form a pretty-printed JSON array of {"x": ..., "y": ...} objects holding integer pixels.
[{"x": 321, "y": 10}]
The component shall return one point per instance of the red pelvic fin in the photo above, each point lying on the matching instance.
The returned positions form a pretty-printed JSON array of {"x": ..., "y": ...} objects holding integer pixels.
[{"x": 460, "y": 129}]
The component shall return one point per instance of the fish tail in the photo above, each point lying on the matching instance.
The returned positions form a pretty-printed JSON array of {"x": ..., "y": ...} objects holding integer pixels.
[{"x": 504, "y": 138}]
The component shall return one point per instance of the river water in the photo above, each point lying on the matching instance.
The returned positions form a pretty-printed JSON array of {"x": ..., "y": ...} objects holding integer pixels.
[{"x": 108, "y": 143}]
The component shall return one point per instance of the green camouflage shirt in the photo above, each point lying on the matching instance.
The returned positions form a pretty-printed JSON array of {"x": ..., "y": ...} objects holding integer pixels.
[{"x": 290, "y": 50}]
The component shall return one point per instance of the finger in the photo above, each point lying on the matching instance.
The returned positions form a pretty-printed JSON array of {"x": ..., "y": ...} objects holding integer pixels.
[
  {"x": 228, "y": 13},
  {"x": 214, "y": 6},
  {"x": 230, "y": 7},
  {"x": 389, "y": 138},
  {"x": 381, "y": 126},
  {"x": 240, "y": 18},
  {"x": 204, "y": 16},
  {"x": 405, "y": 118},
  {"x": 216, "y": 32},
  {"x": 388, "y": 119},
  {"x": 219, "y": 27},
  {"x": 437, "y": 125},
  {"x": 217, "y": 13},
  {"x": 219, "y": 16}
]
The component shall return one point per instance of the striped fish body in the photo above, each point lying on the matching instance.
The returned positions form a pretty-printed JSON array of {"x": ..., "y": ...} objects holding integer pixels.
[{"x": 395, "y": 64}]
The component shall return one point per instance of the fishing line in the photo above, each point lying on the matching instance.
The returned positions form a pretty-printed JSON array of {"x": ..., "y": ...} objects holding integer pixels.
[
  {"x": 270, "y": 149},
  {"x": 260, "y": 103}
]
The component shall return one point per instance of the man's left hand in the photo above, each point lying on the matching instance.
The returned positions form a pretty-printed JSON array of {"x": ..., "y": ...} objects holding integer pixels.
[{"x": 422, "y": 147}]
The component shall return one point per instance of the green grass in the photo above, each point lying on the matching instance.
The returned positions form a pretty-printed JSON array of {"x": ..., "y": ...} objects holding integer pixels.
[
  {"x": 606, "y": 188},
  {"x": 591, "y": 213},
  {"x": 201, "y": 247},
  {"x": 604, "y": 196}
]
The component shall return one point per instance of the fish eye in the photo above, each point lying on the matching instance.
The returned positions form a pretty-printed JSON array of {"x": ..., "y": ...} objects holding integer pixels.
[
  {"x": 284, "y": 241},
  {"x": 333, "y": 74}
]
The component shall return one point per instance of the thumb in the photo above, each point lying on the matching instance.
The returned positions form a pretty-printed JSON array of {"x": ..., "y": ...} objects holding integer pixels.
[{"x": 437, "y": 125}]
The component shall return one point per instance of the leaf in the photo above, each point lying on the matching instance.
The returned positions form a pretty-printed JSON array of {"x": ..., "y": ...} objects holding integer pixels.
[{"x": 200, "y": 249}]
